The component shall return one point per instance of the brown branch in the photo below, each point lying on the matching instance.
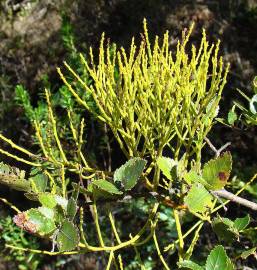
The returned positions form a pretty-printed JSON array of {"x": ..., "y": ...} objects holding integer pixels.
[
  {"x": 214, "y": 149},
  {"x": 234, "y": 198}
]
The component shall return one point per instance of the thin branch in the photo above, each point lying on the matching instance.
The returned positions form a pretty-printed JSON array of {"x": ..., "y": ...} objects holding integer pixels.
[
  {"x": 234, "y": 198},
  {"x": 214, "y": 149}
]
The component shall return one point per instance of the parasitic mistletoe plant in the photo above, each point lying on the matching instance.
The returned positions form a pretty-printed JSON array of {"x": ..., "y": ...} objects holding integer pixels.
[{"x": 156, "y": 102}]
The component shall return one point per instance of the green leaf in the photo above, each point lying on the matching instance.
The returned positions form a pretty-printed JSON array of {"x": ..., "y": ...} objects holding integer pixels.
[
  {"x": 13, "y": 178},
  {"x": 166, "y": 164},
  {"x": 129, "y": 173},
  {"x": 106, "y": 186},
  {"x": 198, "y": 199},
  {"x": 47, "y": 199},
  {"x": 181, "y": 167},
  {"x": 59, "y": 214},
  {"x": 190, "y": 265},
  {"x": 192, "y": 177},
  {"x": 225, "y": 230},
  {"x": 241, "y": 223},
  {"x": 61, "y": 201},
  {"x": 218, "y": 260},
  {"x": 39, "y": 182},
  {"x": 232, "y": 116},
  {"x": 45, "y": 226},
  {"x": 248, "y": 253},
  {"x": 71, "y": 208},
  {"x": 216, "y": 172},
  {"x": 99, "y": 193},
  {"x": 68, "y": 237},
  {"x": 47, "y": 212}
]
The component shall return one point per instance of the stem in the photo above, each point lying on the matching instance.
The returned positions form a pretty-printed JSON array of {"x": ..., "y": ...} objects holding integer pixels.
[
  {"x": 180, "y": 236},
  {"x": 10, "y": 205},
  {"x": 15, "y": 146},
  {"x": 193, "y": 243},
  {"x": 98, "y": 229},
  {"x": 159, "y": 252},
  {"x": 170, "y": 246},
  {"x": 114, "y": 228},
  {"x": 110, "y": 260},
  {"x": 132, "y": 241},
  {"x": 53, "y": 122},
  {"x": 139, "y": 258},
  {"x": 20, "y": 159},
  {"x": 156, "y": 178},
  {"x": 120, "y": 262}
]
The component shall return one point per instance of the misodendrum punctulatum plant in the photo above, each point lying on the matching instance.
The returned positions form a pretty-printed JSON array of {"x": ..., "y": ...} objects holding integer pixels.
[{"x": 154, "y": 101}]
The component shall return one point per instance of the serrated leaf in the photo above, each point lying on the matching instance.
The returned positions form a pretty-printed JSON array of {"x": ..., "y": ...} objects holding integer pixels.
[
  {"x": 248, "y": 253},
  {"x": 166, "y": 164},
  {"x": 31, "y": 196},
  {"x": 13, "y": 178},
  {"x": 39, "y": 182},
  {"x": 224, "y": 229},
  {"x": 106, "y": 186},
  {"x": 47, "y": 212},
  {"x": 232, "y": 117},
  {"x": 190, "y": 265},
  {"x": 47, "y": 199},
  {"x": 71, "y": 208},
  {"x": 68, "y": 237},
  {"x": 198, "y": 199},
  {"x": 45, "y": 226},
  {"x": 61, "y": 201},
  {"x": 218, "y": 260},
  {"x": 99, "y": 193},
  {"x": 192, "y": 177},
  {"x": 216, "y": 172},
  {"x": 59, "y": 214},
  {"x": 241, "y": 223},
  {"x": 129, "y": 173}
]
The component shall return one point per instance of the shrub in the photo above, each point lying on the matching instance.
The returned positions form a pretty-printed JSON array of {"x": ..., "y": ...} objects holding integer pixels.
[{"x": 156, "y": 103}]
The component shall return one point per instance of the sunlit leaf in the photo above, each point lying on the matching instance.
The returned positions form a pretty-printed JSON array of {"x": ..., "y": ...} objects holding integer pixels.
[
  {"x": 218, "y": 260},
  {"x": 129, "y": 173},
  {"x": 193, "y": 177},
  {"x": 241, "y": 223},
  {"x": 47, "y": 212},
  {"x": 216, "y": 172},
  {"x": 166, "y": 164},
  {"x": 232, "y": 117},
  {"x": 198, "y": 199},
  {"x": 47, "y": 199},
  {"x": 44, "y": 225},
  {"x": 106, "y": 186},
  {"x": 61, "y": 201}
]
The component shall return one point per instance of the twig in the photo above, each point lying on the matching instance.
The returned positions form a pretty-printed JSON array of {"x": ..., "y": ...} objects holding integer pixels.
[
  {"x": 234, "y": 198},
  {"x": 215, "y": 150}
]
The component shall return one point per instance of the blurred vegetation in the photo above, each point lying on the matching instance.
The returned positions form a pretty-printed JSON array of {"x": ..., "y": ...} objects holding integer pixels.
[{"x": 36, "y": 36}]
